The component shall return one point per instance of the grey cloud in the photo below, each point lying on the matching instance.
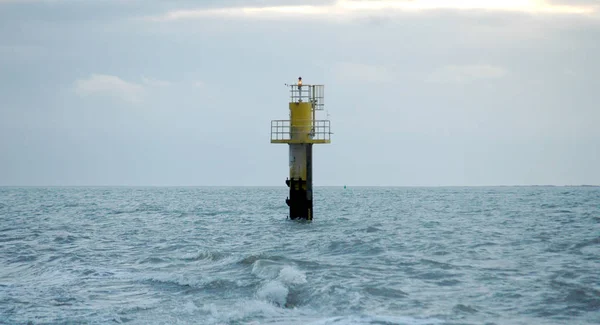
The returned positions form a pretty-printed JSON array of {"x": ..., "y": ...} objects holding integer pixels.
[
  {"x": 68, "y": 11},
  {"x": 64, "y": 11}
]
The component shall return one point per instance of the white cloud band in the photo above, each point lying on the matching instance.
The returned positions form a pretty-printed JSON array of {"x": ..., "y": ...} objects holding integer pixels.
[
  {"x": 101, "y": 84},
  {"x": 350, "y": 8}
]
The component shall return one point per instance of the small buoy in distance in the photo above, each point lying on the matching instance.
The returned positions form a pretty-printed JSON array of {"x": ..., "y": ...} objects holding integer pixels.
[{"x": 344, "y": 186}]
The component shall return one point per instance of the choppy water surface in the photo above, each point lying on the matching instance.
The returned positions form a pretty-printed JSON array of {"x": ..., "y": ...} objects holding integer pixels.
[{"x": 229, "y": 256}]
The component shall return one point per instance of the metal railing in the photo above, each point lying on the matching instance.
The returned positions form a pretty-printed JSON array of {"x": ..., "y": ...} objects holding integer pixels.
[
  {"x": 321, "y": 130},
  {"x": 319, "y": 97},
  {"x": 281, "y": 130},
  {"x": 314, "y": 94}
]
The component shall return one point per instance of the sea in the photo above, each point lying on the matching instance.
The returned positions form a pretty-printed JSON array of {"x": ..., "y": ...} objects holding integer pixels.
[{"x": 229, "y": 255}]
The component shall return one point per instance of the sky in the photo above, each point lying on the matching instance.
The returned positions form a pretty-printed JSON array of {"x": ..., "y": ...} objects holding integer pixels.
[{"x": 182, "y": 93}]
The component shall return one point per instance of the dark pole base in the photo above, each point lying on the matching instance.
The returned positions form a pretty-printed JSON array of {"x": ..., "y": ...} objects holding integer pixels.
[
  {"x": 300, "y": 206},
  {"x": 301, "y": 191}
]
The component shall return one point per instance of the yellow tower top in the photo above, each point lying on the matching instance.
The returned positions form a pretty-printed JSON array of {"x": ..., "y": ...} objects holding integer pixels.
[{"x": 303, "y": 127}]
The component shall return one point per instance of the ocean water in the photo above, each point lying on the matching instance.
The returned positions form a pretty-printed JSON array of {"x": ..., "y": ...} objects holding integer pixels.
[{"x": 503, "y": 255}]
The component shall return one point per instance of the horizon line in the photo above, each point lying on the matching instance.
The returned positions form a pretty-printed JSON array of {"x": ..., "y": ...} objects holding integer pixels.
[{"x": 283, "y": 186}]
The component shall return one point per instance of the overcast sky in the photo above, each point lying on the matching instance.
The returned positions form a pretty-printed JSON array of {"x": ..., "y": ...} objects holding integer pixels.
[{"x": 420, "y": 93}]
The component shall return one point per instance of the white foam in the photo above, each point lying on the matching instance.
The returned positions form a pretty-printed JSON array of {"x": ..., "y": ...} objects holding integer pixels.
[
  {"x": 189, "y": 307},
  {"x": 367, "y": 320},
  {"x": 266, "y": 269},
  {"x": 270, "y": 270},
  {"x": 241, "y": 310},
  {"x": 275, "y": 292},
  {"x": 280, "y": 278},
  {"x": 179, "y": 279},
  {"x": 193, "y": 255},
  {"x": 291, "y": 275}
]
